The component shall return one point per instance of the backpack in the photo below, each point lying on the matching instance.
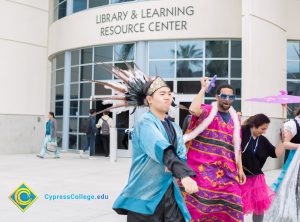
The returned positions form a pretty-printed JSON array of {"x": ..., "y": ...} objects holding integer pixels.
[
  {"x": 85, "y": 125},
  {"x": 105, "y": 127}
]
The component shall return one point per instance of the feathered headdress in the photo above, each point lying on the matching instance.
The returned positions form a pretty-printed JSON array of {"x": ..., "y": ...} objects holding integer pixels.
[{"x": 133, "y": 89}]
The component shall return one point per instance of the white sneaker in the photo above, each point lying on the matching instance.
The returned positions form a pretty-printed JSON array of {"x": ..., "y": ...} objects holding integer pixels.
[{"x": 81, "y": 153}]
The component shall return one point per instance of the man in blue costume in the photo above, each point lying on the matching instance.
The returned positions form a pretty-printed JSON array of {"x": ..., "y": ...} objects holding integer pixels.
[{"x": 159, "y": 154}]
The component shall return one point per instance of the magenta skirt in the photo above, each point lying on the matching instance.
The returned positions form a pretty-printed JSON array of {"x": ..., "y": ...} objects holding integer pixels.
[{"x": 256, "y": 195}]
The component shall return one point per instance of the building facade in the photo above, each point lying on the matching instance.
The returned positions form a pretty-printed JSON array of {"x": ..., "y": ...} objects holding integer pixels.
[{"x": 253, "y": 45}]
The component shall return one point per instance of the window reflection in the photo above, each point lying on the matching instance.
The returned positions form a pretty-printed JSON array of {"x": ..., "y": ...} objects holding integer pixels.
[
  {"x": 162, "y": 50},
  {"x": 293, "y": 50},
  {"x": 216, "y": 49},
  {"x": 79, "y": 5},
  {"x": 96, "y": 3},
  {"x": 216, "y": 67},
  {"x": 164, "y": 69},
  {"x": 103, "y": 54},
  {"x": 189, "y": 68},
  {"x": 190, "y": 49},
  {"x": 124, "y": 52},
  {"x": 293, "y": 70}
]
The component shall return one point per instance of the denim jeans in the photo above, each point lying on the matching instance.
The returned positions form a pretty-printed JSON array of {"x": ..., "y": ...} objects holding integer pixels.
[{"x": 90, "y": 143}]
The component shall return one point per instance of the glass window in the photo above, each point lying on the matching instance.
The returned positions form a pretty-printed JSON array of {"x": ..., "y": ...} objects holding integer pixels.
[
  {"x": 237, "y": 105},
  {"x": 216, "y": 49},
  {"x": 82, "y": 141},
  {"x": 236, "y": 68},
  {"x": 237, "y": 85},
  {"x": 60, "y": 61},
  {"x": 75, "y": 57},
  {"x": 74, "y": 74},
  {"x": 84, "y": 107},
  {"x": 164, "y": 69},
  {"x": 60, "y": 77},
  {"x": 236, "y": 49},
  {"x": 100, "y": 90},
  {"x": 122, "y": 123},
  {"x": 216, "y": 67},
  {"x": 188, "y": 87},
  {"x": 72, "y": 141},
  {"x": 73, "y": 125},
  {"x": 96, "y": 3},
  {"x": 293, "y": 70},
  {"x": 74, "y": 91},
  {"x": 59, "y": 123},
  {"x": 171, "y": 85},
  {"x": 86, "y": 56},
  {"x": 190, "y": 49},
  {"x": 103, "y": 54},
  {"x": 79, "y": 5},
  {"x": 85, "y": 90},
  {"x": 293, "y": 50},
  {"x": 120, "y": 1},
  {"x": 62, "y": 10},
  {"x": 161, "y": 50},
  {"x": 124, "y": 52},
  {"x": 59, "y": 108},
  {"x": 73, "y": 108},
  {"x": 101, "y": 72},
  {"x": 86, "y": 73},
  {"x": 189, "y": 68},
  {"x": 59, "y": 92}
]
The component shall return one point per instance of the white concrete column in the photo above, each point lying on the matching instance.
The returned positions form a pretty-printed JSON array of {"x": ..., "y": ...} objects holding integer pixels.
[
  {"x": 264, "y": 46},
  {"x": 66, "y": 109}
]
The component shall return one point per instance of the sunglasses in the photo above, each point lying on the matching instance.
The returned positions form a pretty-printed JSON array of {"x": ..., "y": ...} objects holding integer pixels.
[{"x": 224, "y": 96}]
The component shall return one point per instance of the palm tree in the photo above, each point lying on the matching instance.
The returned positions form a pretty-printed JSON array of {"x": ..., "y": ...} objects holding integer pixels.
[{"x": 184, "y": 66}]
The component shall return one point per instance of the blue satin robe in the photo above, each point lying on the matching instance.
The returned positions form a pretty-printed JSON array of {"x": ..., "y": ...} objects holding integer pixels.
[{"x": 148, "y": 180}]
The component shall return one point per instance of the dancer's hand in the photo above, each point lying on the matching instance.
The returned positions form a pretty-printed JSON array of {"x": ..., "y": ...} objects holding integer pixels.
[
  {"x": 242, "y": 176},
  {"x": 190, "y": 185},
  {"x": 167, "y": 170},
  {"x": 204, "y": 83}
]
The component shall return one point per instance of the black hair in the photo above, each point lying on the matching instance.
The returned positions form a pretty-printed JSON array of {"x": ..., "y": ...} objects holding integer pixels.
[
  {"x": 52, "y": 114},
  {"x": 223, "y": 86},
  {"x": 92, "y": 111},
  {"x": 257, "y": 120}
]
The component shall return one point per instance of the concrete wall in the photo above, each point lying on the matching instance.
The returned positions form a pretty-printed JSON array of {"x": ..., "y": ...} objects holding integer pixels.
[
  {"x": 24, "y": 85},
  {"x": 21, "y": 133}
]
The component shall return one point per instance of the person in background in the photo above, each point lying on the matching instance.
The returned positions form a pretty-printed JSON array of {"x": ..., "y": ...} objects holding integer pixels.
[
  {"x": 90, "y": 134},
  {"x": 256, "y": 148},
  {"x": 105, "y": 123},
  {"x": 50, "y": 136}
]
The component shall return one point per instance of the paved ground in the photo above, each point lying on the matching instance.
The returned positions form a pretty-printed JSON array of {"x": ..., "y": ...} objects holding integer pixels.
[{"x": 68, "y": 175}]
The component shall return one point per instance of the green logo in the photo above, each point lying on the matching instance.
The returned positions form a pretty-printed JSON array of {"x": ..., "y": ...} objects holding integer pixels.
[{"x": 23, "y": 197}]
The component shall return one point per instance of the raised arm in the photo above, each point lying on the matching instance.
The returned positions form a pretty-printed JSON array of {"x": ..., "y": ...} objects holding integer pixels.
[{"x": 195, "y": 107}]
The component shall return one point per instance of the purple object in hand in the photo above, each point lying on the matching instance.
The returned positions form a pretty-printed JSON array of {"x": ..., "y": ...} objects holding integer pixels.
[{"x": 212, "y": 84}]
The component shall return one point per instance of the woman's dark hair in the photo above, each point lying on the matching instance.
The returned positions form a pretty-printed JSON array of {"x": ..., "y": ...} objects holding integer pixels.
[
  {"x": 256, "y": 120},
  {"x": 297, "y": 111},
  {"x": 52, "y": 114}
]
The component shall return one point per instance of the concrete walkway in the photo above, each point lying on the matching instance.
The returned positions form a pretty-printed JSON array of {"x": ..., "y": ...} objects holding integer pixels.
[{"x": 66, "y": 176}]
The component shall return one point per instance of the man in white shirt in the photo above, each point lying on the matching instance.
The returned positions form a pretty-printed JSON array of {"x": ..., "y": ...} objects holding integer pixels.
[{"x": 105, "y": 123}]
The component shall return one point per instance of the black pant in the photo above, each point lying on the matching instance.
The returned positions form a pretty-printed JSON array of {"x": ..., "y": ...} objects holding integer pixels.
[
  {"x": 166, "y": 211},
  {"x": 105, "y": 144}
]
